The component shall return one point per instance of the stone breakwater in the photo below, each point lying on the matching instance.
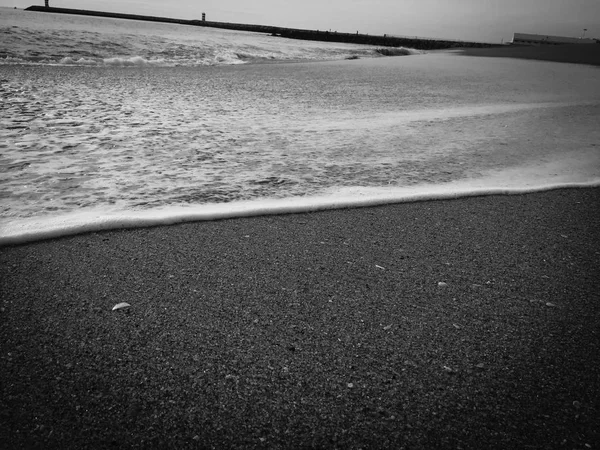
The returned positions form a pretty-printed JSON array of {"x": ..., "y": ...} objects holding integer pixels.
[{"x": 291, "y": 33}]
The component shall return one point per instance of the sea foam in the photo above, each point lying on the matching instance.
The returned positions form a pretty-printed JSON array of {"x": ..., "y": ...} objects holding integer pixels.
[
  {"x": 109, "y": 140},
  {"x": 25, "y": 231}
]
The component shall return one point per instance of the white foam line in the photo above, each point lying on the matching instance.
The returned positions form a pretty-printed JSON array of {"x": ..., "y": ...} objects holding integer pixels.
[{"x": 20, "y": 232}]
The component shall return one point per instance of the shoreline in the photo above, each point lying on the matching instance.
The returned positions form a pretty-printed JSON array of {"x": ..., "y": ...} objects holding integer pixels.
[
  {"x": 570, "y": 53},
  {"x": 323, "y": 329},
  {"x": 20, "y": 231}
]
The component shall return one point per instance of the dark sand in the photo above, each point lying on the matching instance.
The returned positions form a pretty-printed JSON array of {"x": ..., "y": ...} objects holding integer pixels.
[
  {"x": 571, "y": 53},
  {"x": 320, "y": 330}
]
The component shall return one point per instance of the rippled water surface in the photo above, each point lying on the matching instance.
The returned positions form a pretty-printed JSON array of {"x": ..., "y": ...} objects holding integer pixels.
[
  {"x": 44, "y": 38},
  {"x": 108, "y": 137},
  {"x": 75, "y": 137}
]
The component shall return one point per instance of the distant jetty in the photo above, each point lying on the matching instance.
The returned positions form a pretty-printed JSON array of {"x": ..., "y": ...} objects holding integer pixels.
[{"x": 291, "y": 33}]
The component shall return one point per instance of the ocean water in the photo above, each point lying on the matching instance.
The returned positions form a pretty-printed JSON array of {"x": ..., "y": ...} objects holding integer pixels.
[
  {"x": 111, "y": 123},
  {"x": 32, "y": 37}
]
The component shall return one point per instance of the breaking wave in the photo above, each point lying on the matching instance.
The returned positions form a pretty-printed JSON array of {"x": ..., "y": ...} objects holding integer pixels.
[
  {"x": 55, "y": 39},
  {"x": 121, "y": 62},
  {"x": 400, "y": 51}
]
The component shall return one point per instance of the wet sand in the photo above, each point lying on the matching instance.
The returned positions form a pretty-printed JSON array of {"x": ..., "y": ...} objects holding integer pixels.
[
  {"x": 571, "y": 53},
  {"x": 469, "y": 323}
]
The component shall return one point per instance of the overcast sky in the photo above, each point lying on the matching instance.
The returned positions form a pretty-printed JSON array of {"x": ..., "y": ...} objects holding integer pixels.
[{"x": 482, "y": 20}]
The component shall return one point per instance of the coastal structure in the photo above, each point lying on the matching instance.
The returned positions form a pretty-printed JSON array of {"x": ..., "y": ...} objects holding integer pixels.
[
  {"x": 541, "y": 39},
  {"x": 291, "y": 33}
]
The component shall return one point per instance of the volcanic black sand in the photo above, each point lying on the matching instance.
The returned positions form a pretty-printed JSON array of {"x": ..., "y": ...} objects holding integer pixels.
[{"x": 470, "y": 323}]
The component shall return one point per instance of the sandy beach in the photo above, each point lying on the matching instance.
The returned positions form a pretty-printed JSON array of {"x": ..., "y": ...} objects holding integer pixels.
[
  {"x": 469, "y": 323},
  {"x": 464, "y": 323}
]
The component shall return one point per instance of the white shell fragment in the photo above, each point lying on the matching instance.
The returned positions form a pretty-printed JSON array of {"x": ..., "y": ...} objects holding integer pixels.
[
  {"x": 121, "y": 306},
  {"x": 448, "y": 369}
]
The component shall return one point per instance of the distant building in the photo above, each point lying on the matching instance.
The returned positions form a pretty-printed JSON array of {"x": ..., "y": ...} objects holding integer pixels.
[{"x": 541, "y": 39}]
